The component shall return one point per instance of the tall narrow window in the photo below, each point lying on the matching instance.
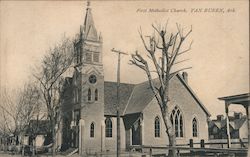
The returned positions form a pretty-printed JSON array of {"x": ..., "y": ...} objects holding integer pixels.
[
  {"x": 77, "y": 56},
  {"x": 177, "y": 122},
  {"x": 80, "y": 55},
  {"x": 89, "y": 94},
  {"x": 176, "y": 126},
  {"x": 79, "y": 94},
  {"x": 181, "y": 126},
  {"x": 195, "y": 128},
  {"x": 76, "y": 95},
  {"x": 92, "y": 129},
  {"x": 96, "y": 57},
  {"x": 157, "y": 127},
  {"x": 88, "y": 57},
  {"x": 96, "y": 94},
  {"x": 108, "y": 127}
]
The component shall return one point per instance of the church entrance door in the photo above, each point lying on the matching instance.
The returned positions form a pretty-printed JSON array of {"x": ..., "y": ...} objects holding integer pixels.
[
  {"x": 75, "y": 137},
  {"x": 136, "y": 133}
]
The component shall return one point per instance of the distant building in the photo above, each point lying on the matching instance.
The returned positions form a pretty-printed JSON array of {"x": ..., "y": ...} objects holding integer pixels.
[
  {"x": 89, "y": 105},
  {"x": 237, "y": 125},
  {"x": 38, "y": 130}
]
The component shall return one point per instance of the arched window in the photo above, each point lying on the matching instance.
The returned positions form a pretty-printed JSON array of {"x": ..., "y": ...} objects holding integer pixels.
[
  {"x": 195, "y": 128},
  {"x": 92, "y": 129},
  {"x": 177, "y": 121},
  {"x": 77, "y": 55},
  {"x": 108, "y": 127},
  {"x": 96, "y": 94},
  {"x": 157, "y": 127},
  {"x": 80, "y": 54},
  {"x": 89, "y": 94}
]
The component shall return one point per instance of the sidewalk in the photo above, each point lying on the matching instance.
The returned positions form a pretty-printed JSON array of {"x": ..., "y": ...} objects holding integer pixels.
[{"x": 7, "y": 154}]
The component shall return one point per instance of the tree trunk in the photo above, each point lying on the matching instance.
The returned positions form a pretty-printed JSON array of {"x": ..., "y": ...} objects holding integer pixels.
[
  {"x": 53, "y": 138},
  {"x": 172, "y": 143},
  {"x": 22, "y": 149},
  {"x": 170, "y": 132},
  {"x": 21, "y": 144},
  {"x": 33, "y": 146}
]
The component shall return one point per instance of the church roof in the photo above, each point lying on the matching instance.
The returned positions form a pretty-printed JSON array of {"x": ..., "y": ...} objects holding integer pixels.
[
  {"x": 193, "y": 94},
  {"x": 110, "y": 96},
  {"x": 134, "y": 98},
  {"x": 140, "y": 98},
  {"x": 89, "y": 26}
]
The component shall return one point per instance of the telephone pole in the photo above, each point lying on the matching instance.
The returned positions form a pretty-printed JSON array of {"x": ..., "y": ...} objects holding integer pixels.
[{"x": 118, "y": 141}]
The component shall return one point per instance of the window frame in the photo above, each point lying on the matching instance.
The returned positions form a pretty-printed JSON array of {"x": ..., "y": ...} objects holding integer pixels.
[
  {"x": 89, "y": 95},
  {"x": 92, "y": 130},
  {"x": 108, "y": 128},
  {"x": 92, "y": 79},
  {"x": 77, "y": 55},
  {"x": 177, "y": 120},
  {"x": 194, "y": 129},
  {"x": 89, "y": 57},
  {"x": 96, "y": 56},
  {"x": 96, "y": 94},
  {"x": 157, "y": 127}
]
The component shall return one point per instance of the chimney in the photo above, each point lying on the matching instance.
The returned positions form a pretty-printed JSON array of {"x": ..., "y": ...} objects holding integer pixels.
[
  {"x": 220, "y": 117},
  {"x": 185, "y": 76}
]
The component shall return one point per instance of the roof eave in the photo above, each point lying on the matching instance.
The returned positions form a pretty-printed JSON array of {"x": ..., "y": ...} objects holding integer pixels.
[{"x": 194, "y": 95}]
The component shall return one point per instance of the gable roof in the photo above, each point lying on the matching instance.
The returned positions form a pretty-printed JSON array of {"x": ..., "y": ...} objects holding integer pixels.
[
  {"x": 239, "y": 122},
  {"x": 142, "y": 95},
  {"x": 193, "y": 94},
  {"x": 134, "y": 98},
  {"x": 93, "y": 69},
  {"x": 234, "y": 123}
]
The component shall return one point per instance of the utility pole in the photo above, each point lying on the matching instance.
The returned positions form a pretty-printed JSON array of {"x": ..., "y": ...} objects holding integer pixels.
[{"x": 118, "y": 141}]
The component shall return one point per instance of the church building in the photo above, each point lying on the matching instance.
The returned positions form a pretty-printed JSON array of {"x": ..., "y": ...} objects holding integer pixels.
[{"x": 89, "y": 105}]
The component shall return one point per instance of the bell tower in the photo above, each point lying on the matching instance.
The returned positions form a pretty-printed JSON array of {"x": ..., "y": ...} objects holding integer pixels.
[{"x": 89, "y": 69}]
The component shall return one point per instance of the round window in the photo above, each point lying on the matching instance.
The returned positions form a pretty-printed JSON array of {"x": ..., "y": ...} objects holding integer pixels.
[{"x": 92, "y": 79}]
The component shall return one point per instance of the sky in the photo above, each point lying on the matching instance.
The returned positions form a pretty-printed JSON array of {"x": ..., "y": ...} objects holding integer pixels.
[{"x": 219, "y": 56}]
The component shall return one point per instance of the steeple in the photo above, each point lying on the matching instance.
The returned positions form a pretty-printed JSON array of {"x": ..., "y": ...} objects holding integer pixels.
[
  {"x": 88, "y": 46},
  {"x": 89, "y": 26}
]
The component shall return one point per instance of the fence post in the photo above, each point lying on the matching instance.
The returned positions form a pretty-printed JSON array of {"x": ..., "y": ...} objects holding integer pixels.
[
  {"x": 202, "y": 146},
  {"x": 202, "y": 143},
  {"x": 150, "y": 151},
  {"x": 178, "y": 153},
  {"x": 191, "y": 145}
]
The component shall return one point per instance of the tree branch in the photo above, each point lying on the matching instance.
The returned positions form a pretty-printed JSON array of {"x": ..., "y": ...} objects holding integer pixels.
[
  {"x": 174, "y": 73},
  {"x": 184, "y": 60}
]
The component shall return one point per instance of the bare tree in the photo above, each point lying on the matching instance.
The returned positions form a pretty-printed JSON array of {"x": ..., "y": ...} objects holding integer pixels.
[
  {"x": 9, "y": 111},
  {"x": 54, "y": 64},
  {"x": 18, "y": 107},
  {"x": 167, "y": 46}
]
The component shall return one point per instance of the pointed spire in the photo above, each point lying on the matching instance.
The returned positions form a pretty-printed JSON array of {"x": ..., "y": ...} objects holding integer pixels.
[
  {"x": 88, "y": 4},
  {"x": 89, "y": 26}
]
